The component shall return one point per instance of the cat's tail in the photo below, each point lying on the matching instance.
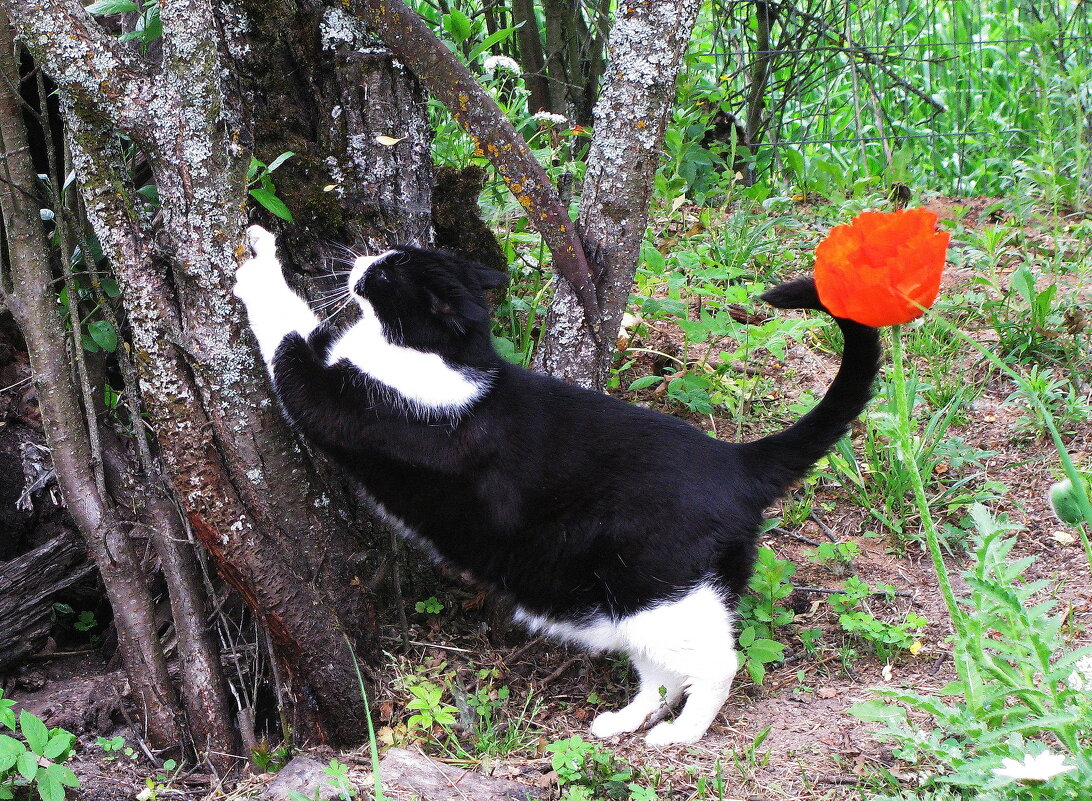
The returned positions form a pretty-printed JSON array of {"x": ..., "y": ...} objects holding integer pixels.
[{"x": 785, "y": 457}]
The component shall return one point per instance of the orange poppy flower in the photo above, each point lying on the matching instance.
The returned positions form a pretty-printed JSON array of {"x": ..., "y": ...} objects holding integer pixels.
[{"x": 881, "y": 267}]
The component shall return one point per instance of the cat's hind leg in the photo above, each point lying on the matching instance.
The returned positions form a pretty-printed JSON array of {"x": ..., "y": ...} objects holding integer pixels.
[
  {"x": 274, "y": 310},
  {"x": 659, "y": 689},
  {"x": 690, "y": 638}
]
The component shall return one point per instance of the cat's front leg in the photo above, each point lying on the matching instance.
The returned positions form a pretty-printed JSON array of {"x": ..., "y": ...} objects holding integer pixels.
[{"x": 274, "y": 310}]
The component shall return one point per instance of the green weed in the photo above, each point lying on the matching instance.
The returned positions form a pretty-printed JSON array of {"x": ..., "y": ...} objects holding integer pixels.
[{"x": 35, "y": 757}]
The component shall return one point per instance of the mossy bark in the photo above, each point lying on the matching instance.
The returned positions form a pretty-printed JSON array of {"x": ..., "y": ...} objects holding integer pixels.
[
  {"x": 645, "y": 50},
  {"x": 283, "y": 530}
]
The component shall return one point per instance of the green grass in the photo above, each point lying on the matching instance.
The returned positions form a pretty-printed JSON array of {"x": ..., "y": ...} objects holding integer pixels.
[{"x": 993, "y": 382}]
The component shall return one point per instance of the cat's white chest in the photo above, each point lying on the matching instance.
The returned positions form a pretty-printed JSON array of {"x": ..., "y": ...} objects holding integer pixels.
[{"x": 423, "y": 380}]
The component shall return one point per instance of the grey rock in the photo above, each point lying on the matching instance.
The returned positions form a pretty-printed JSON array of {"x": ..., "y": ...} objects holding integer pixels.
[
  {"x": 305, "y": 776},
  {"x": 408, "y": 774}
]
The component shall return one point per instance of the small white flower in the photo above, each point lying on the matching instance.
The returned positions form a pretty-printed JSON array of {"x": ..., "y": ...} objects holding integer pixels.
[
  {"x": 495, "y": 64},
  {"x": 144, "y": 795},
  {"x": 1081, "y": 677},
  {"x": 1036, "y": 768},
  {"x": 553, "y": 119}
]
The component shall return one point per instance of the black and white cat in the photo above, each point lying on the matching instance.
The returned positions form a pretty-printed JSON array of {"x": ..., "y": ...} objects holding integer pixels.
[{"x": 611, "y": 527}]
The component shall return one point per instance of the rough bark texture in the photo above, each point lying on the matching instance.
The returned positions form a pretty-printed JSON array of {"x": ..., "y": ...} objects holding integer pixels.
[
  {"x": 325, "y": 88},
  {"x": 65, "y": 423},
  {"x": 29, "y": 583},
  {"x": 646, "y": 46},
  {"x": 279, "y": 532},
  {"x": 411, "y": 40}
]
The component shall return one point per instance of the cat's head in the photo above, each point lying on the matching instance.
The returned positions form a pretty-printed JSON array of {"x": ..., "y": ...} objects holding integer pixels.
[{"x": 425, "y": 299}]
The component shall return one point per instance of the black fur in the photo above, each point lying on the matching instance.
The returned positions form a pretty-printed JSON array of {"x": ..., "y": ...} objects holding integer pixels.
[{"x": 572, "y": 502}]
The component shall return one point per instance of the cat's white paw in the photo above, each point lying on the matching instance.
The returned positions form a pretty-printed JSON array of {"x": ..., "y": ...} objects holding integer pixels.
[
  {"x": 608, "y": 724},
  {"x": 262, "y": 266},
  {"x": 262, "y": 242},
  {"x": 672, "y": 734}
]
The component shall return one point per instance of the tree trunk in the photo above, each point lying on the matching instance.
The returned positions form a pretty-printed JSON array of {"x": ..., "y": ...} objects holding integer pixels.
[
  {"x": 298, "y": 77},
  {"x": 531, "y": 55},
  {"x": 65, "y": 422},
  {"x": 645, "y": 51}
]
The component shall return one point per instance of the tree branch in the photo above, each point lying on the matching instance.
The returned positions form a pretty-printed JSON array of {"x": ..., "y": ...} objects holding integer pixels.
[
  {"x": 411, "y": 41},
  {"x": 92, "y": 68}
]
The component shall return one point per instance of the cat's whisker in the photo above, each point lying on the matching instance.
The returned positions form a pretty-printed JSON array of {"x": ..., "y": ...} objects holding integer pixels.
[
  {"x": 344, "y": 248},
  {"x": 338, "y": 290},
  {"x": 328, "y": 304},
  {"x": 336, "y": 311},
  {"x": 334, "y": 296},
  {"x": 341, "y": 260}
]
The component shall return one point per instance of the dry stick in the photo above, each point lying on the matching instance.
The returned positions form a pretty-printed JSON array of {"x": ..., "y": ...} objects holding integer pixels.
[
  {"x": 876, "y": 593},
  {"x": 516, "y": 654},
  {"x": 795, "y": 536},
  {"x": 413, "y": 43},
  {"x": 396, "y": 585},
  {"x": 568, "y": 663},
  {"x": 823, "y": 527},
  {"x": 809, "y": 666},
  {"x": 64, "y": 233},
  {"x": 135, "y": 729}
]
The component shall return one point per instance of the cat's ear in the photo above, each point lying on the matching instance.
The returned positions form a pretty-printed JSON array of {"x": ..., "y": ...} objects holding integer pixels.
[
  {"x": 488, "y": 278},
  {"x": 456, "y": 311}
]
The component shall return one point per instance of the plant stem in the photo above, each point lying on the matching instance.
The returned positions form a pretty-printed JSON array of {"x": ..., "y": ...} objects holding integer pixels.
[
  {"x": 904, "y": 409},
  {"x": 372, "y": 744},
  {"x": 1068, "y": 467}
]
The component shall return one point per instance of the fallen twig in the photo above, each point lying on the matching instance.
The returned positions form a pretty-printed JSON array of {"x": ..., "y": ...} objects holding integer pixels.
[
  {"x": 568, "y": 663},
  {"x": 794, "y": 535},
  {"x": 874, "y": 593}
]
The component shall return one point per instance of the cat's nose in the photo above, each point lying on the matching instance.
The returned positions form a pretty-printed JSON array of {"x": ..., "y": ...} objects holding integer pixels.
[
  {"x": 360, "y": 269},
  {"x": 361, "y": 266}
]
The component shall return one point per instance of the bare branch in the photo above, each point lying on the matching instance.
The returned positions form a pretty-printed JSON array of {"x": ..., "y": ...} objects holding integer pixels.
[
  {"x": 412, "y": 42},
  {"x": 855, "y": 50},
  {"x": 92, "y": 68}
]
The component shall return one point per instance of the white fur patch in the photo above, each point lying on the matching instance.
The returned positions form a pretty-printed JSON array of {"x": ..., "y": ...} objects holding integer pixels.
[
  {"x": 681, "y": 645},
  {"x": 274, "y": 310},
  {"x": 682, "y": 624},
  {"x": 361, "y": 265},
  {"x": 423, "y": 381}
]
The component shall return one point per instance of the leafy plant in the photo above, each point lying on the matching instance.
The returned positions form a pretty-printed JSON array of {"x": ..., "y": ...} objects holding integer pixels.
[
  {"x": 1069, "y": 406},
  {"x": 760, "y": 614},
  {"x": 428, "y": 707},
  {"x": 586, "y": 771},
  {"x": 113, "y": 747},
  {"x": 268, "y": 759},
  {"x": 886, "y": 639},
  {"x": 259, "y": 178},
  {"x": 880, "y": 480},
  {"x": 148, "y": 27},
  {"x": 36, "y": 760},
  {"x": 1025, "y": 689},
  {"x": 495, "y": 731},
  {"x": 429, "y": 606},
  {"x": 841, "y": 554}
]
